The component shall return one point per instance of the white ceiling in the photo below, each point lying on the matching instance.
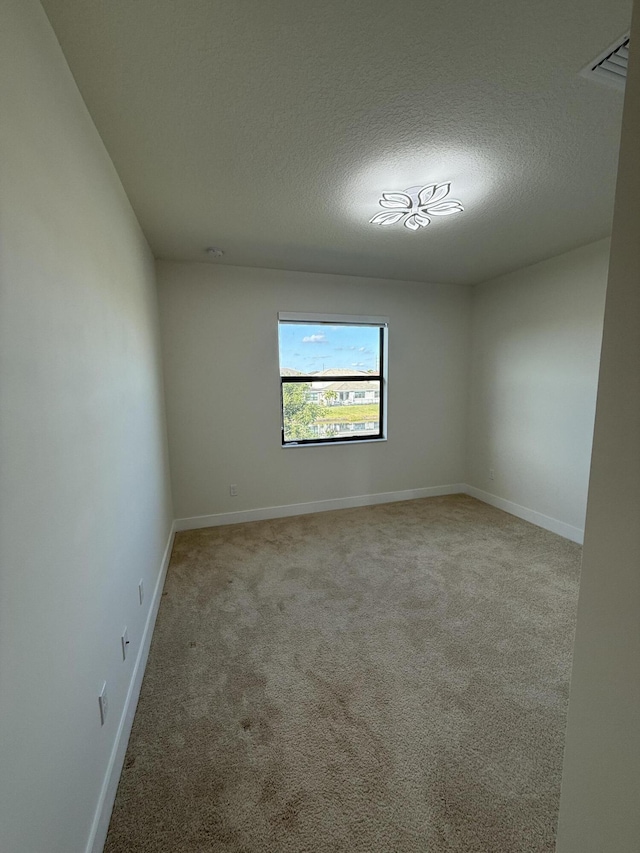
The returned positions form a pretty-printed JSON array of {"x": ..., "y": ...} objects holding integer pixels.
[{"x": 269, "y": 127}]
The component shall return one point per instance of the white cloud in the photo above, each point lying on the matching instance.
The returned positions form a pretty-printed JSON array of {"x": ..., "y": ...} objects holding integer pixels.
[{"x": 314, "y": 339}]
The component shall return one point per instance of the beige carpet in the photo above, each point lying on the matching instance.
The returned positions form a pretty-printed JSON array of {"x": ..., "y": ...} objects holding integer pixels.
[{"x": 390, "y": 678}]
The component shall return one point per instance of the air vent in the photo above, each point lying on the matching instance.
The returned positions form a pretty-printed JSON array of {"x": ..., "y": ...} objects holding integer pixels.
[{"x": 610, "y": 66}]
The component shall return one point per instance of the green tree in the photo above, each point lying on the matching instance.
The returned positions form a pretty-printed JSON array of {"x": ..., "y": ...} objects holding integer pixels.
[
  {"x": 327, "y": 411},
  {"x": 298, "y": 413}
]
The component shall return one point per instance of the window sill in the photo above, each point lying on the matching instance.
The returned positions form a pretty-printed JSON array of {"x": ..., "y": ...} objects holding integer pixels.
[{"x": 334, "y": 443}]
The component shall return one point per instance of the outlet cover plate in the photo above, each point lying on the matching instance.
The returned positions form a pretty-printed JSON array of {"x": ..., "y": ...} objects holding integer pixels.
[
  {"x": 125, "y": 643},
  {"x": 103, "y": 704}
]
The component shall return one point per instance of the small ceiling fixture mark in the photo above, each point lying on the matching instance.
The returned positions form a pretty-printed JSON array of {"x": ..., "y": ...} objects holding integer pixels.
[
  {"x": 214, "y": 252},
  {"x": 415, "y": 205}
]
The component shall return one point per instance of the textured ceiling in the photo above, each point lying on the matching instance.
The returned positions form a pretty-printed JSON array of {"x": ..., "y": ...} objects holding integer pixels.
[{"x": 269, "y": 127}]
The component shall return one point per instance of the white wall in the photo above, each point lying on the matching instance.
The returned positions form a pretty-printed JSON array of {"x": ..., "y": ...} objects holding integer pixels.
[
  {"x": 220, "y": 348},
  {"x": 535, "y": 350},
  {"x": 600, "y": 800},
  {"x": 84, "y": 502}
]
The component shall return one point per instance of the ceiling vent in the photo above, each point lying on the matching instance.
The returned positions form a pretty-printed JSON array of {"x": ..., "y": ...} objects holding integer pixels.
[{"x": 610, "y": 66}]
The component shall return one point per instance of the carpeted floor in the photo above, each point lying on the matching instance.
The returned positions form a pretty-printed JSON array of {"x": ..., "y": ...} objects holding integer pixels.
[{"x": 390, "y": 678}]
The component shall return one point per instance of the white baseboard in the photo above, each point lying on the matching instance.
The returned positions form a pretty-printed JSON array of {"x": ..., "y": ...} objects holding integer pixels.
[
  {"x": 198, "y": 521},
  {"x": 100, "y": 825},
  {"x": 263, "y": 513},
  {"x": 552, "y": 524}
]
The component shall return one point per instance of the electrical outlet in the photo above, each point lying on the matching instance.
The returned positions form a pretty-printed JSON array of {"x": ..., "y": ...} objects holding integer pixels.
[
  {"x": 125, "y": 643},
  {"x": 491, "y": 473},
  {"x": 141, "y": 591},
  {"x": 233, "y": 491},
  {"x": 103, "y": 703}
]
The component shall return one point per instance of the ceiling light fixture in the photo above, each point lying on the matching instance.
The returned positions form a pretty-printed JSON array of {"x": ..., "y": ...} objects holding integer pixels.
[
  {"x": 214, "y": 252},
  {"x": 416, "y": 205}
]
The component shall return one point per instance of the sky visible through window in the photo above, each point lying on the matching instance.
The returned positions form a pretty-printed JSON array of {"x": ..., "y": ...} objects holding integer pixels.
[{"x": 310, "y": 348}]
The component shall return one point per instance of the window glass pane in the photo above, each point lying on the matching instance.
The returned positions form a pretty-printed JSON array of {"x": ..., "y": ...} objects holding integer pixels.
[
  {"x": 321, "y": 349},
  {"x": 330, "y": 409}
]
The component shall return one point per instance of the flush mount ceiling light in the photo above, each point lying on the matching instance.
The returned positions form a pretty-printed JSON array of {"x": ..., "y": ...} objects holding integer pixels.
[{"x": 416, "y": 205}]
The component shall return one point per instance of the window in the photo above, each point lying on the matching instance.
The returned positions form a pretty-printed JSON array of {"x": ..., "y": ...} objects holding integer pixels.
[{"x": 332, "y": 378}]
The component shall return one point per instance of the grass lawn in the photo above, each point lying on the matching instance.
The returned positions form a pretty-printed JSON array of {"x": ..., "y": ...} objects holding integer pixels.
[{"x": 368, "y": 412}]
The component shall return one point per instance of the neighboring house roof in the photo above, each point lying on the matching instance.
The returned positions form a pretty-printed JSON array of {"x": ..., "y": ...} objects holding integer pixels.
[
  {"x": 290, "y": 371},
  {"x": 340, "y": 371},
  {"x": 351, "y": 386}
]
